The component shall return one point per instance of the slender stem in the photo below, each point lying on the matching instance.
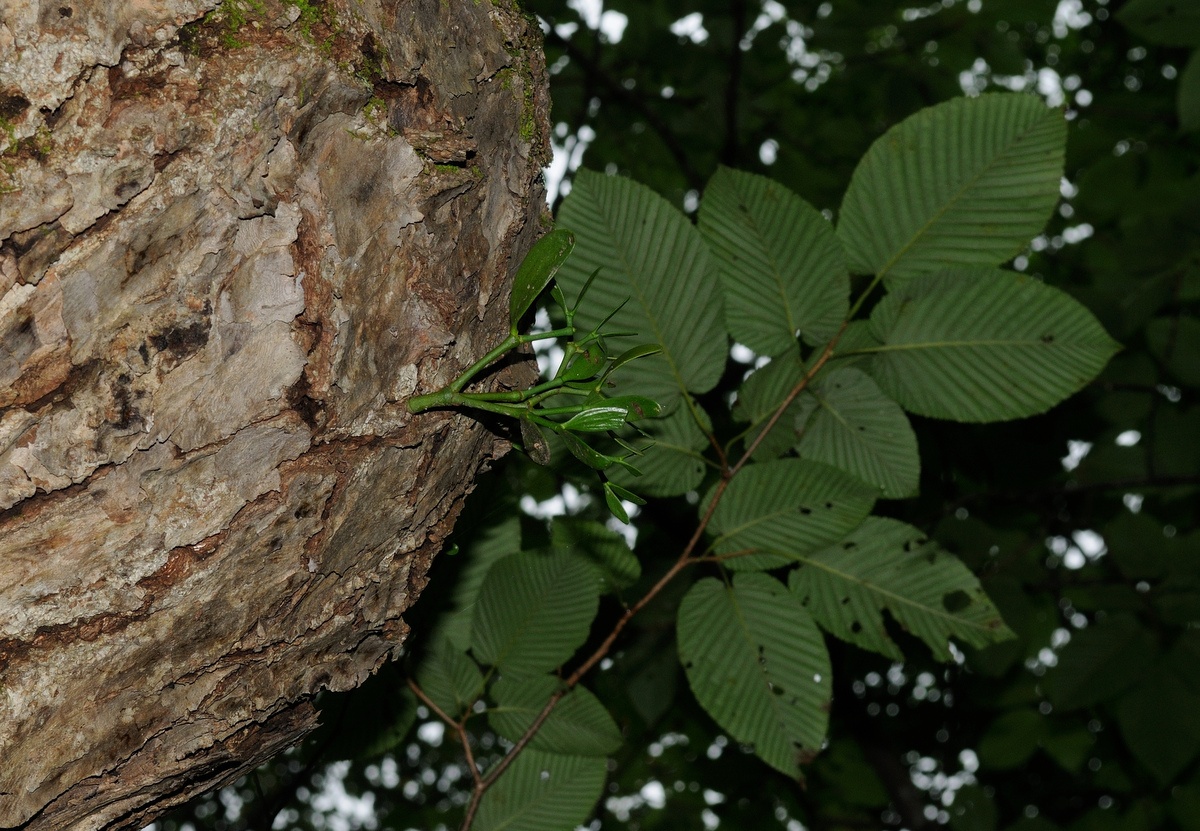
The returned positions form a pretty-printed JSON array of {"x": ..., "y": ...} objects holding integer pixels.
[
  {"x": 594, "y": 72},
  {"x": 733, "y": 65},
  {"x": 448, "y": 396},
  {"x": 862, "y": 298},
  {"x": 459, "y": 727},
  {"x": 553, "y": 411},
  {"x": 825, "y": 355},
  {"x": 565, "y": 332},
  {"x": 540, "y": 397},
  {"x": 466, "y": 399},
  {"x": 505, "y": 346},
  {"x": 606, "y": 645},
  {"x": 508, "y": 397}
]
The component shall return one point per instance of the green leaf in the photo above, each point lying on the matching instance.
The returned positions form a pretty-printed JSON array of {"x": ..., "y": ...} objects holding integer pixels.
[
  {"x": 766, "y": 387},
  {"x": 542, "y": 792},
  {"x": 492, "y": 541},
  {"x": 450, "y": 678},
  {"x": 631, "y": 354},
  {"x": 1100, "y": 662},
  {"x": 654, "y": 262},
  {"x": 533, "y": 612},
  {"x": 584, "y": 364},
  {"x": 1160, "y": 722},
  {"x": 589, "y": 455},
  {"x": 626, "y": 494},
  {"x": 636, "y": 407},
  {"x": 597, "y": 419},
  {"x": 1069, "y": 745},
  {"x": 645, "y": 674},
  {"x": 672, "y": 461},
  {"x": 1164, "y": 22},
  {"x": 785, "y": 509},
  {"x": 980, "y": 344},
  {"x": 857, "y": 428},
  {"x": 577, "y": 726},
  {"x": 1188, "y": 100},
  {"x": 780, "y": 262},
  {"x": 606, "y": 550},
  {"x": 889, "y": 565},
  {"x": 1012, "y": 739},
  {"x": 537, "y": 270},
  {"x": 757, "y": 663},
  {"x": 613, "y": 501},
  {"x": 969, "y": 181},
  {"x": 856, "y": 338}
]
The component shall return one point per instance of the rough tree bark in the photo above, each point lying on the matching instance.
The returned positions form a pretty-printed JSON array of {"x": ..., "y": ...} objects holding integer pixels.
[{"x": 234, "y": 243}]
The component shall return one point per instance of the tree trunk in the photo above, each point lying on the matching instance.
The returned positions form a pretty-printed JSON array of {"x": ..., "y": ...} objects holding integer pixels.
[{"x": 233, "y": 245}]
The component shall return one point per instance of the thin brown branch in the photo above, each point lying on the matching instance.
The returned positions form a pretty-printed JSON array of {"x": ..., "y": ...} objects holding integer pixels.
[
  {"x": 459, "y": 727},
  {"x": 733, "y": 85},
  {"x": 802, "y": 385},
  {"x": 618, "y": 92}
]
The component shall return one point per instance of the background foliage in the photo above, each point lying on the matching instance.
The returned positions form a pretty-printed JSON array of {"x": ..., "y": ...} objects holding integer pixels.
[{"x": 1080, "y": 523}]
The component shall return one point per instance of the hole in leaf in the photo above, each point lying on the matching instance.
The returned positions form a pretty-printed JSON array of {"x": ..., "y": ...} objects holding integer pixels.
[
  {"x": 805, "y": 511},
  {"x": 956, "y": 601},
  {"x": 803, "y": 755},
  {"x": 855, "y": 627}
]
